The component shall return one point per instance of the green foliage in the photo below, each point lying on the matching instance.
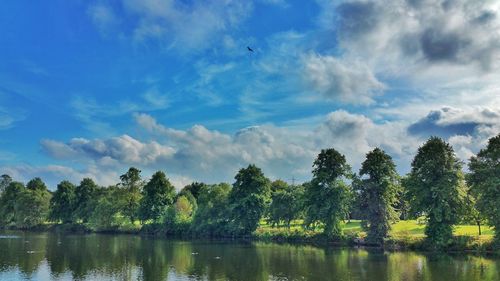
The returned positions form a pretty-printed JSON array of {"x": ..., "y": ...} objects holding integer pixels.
[
  {"x": 157, "y": 195},
  {"x": 212, "y": 215},
  {"x": 248, "y": 199},
  {"x": 179, "y": 216},
  {"x": 8, "y": 201},
  {"x": 286, "y": 203},
  {"x": 107, "y": 206},
  {"x": 328, "y": 197},
  {"x": 484, "y": 180},
  {"x": 132, "y": 184},
  {"x": 436, "y": 188},
  {"x": 85, "y": 197},
  {"x": 32, "y": 204},
  {"x": 378, "y": 192},
  {"x": 5, "y": 180},
  {"x": 63, "y": 203},
  {"x": 194, "y": 189}
]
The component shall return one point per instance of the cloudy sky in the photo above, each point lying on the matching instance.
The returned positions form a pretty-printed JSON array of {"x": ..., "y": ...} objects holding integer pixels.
[{"x": 90, "y": 88}]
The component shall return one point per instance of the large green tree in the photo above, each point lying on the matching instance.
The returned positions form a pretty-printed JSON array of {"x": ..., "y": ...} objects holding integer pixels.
[
  {"x": 158, "y": 194},
  {"x": 212, "y": 215},
  {"x": 8, "y": 201},
  {"x": 436, "y": 188},
  {"x": 378, "y": 194},
  {"x": 248, "y": 199},
  {"x": 484, "y": 180},
  {"x": 286, "y": 203},
  {"x": 32, "y": 205},
  {"x": 85, "y": 199},
  {"x": 328, "y": 196},
  {"x": 63, "y": 203},
  {"x": 132, "y": 184}
]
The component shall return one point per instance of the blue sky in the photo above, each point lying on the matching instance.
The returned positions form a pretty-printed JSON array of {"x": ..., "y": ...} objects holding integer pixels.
[{"x": 90, "y": 88}]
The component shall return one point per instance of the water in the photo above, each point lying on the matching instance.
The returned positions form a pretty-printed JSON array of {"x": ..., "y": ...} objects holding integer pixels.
[{"x": 43, "y": 256}]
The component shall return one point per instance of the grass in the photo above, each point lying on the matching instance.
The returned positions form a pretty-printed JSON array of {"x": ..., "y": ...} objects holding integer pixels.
[{"x": 406, "y": 234}]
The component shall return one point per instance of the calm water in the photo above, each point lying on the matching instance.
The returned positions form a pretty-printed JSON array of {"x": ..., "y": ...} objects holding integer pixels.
[{"x": 28, "y": 256}]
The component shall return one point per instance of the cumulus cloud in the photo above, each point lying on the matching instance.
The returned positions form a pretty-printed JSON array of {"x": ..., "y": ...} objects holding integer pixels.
[
  {"x": 350, "y": 82},
  {"x": 447, "y": 122},
  {"x": 53, "y": 174},
  {"x": 123, "y": 149},
  {"x": 408, "y": 36},
  {"x": 208, "y": 155}
]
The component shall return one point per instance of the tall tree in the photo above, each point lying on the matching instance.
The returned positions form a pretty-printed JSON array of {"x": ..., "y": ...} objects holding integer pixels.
[
  {"x": 85, "y": 199},
  {"x": 378, "y": 193},
  {"x": 32, "y": 205},
  {"x": 158, "y": 194},
  {"x": 132, "y": 182},
  {"x": 436, "y": 188},
  {"x": 328, "y": 196},
  {"x": 484, "y": 180},
  {"x": 248, "y": 199},
  {"x": 5, "y": 180},
  {"x": 8, "y": 201},
  {"x": 63, "y": 203}
]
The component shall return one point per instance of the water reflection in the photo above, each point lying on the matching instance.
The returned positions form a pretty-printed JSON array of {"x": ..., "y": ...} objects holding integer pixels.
[{"x": 123, "y": 257}]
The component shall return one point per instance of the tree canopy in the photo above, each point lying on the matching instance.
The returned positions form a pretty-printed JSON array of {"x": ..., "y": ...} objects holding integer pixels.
[
  {"x": 484, "y": 180},
  {"x": 248, "y": 199},
  {"x": 328, "y": 196},
  {"x": 436, "y": 188},
  {"x": 378, "y": 192}
]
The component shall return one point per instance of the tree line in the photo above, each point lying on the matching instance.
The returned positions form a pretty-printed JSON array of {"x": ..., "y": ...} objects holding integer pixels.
[{"x": 436, "y": 188}]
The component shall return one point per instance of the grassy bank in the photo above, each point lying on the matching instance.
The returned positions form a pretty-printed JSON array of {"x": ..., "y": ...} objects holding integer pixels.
[{"x": 405, "y": 235}]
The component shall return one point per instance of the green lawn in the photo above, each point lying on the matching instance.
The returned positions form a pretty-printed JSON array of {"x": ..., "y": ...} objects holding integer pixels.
[{"x": 408, "y": 228}]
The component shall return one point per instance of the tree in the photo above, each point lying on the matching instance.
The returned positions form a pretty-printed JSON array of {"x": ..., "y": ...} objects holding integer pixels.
[
  {"x": 193, "y": 188},
  {"x": 248, "y": 199},
  {"x": 436, "y": 188},
  {"x": 8, "y": 201},
  {"x": 378, "y": 193},
  {"x": 328, "y": 196},
  {"x": 5, "y": 180},
  {"x": 85, "y": 199},
  {"x": 32, "y": 204},
  {"x": 107, "y": 204},
  {"x": 484, "y": 181},
  {"x": 212, "y": 215},
  {"x": 63, "y": 203},
  {"x": 132, "y": 183},
  {"x": 286, "y": 203},
  {"x": 157, "y": 195}
]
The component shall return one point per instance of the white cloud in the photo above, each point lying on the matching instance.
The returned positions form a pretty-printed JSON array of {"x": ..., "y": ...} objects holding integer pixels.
[
  {"x": 175, "y": 24},
  {"x": 347, "y": 81},
  {"x": 53, "y": 174},
  {"x": 123, "y": 149}
]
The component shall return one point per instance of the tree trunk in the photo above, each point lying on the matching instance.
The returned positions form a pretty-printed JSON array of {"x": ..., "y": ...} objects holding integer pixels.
[{"x": 479, "y": 227}]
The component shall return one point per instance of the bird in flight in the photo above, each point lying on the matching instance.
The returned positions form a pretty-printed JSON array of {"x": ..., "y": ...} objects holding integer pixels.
[{"x": 250, "y": 49}]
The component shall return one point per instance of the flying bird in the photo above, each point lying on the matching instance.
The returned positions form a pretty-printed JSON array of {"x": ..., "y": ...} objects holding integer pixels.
[{"x": 250, "y": 49}]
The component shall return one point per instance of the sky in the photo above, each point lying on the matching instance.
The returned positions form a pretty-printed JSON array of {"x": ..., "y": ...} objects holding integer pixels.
[{"x": 90, "y": 88}]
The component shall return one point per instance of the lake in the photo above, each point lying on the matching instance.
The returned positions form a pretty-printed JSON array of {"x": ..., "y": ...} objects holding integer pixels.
[{"x": 48, "y": 256}]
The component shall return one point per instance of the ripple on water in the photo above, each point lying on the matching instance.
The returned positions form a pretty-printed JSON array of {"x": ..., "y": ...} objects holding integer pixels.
[{"x": 9, "y": 236}]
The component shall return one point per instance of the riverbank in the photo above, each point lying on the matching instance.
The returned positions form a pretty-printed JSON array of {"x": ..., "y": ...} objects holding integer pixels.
[{"x": 405, "y": 235}]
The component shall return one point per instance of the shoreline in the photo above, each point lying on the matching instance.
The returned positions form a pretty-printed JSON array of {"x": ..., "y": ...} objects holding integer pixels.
[{"x": 461, "y": 244}]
